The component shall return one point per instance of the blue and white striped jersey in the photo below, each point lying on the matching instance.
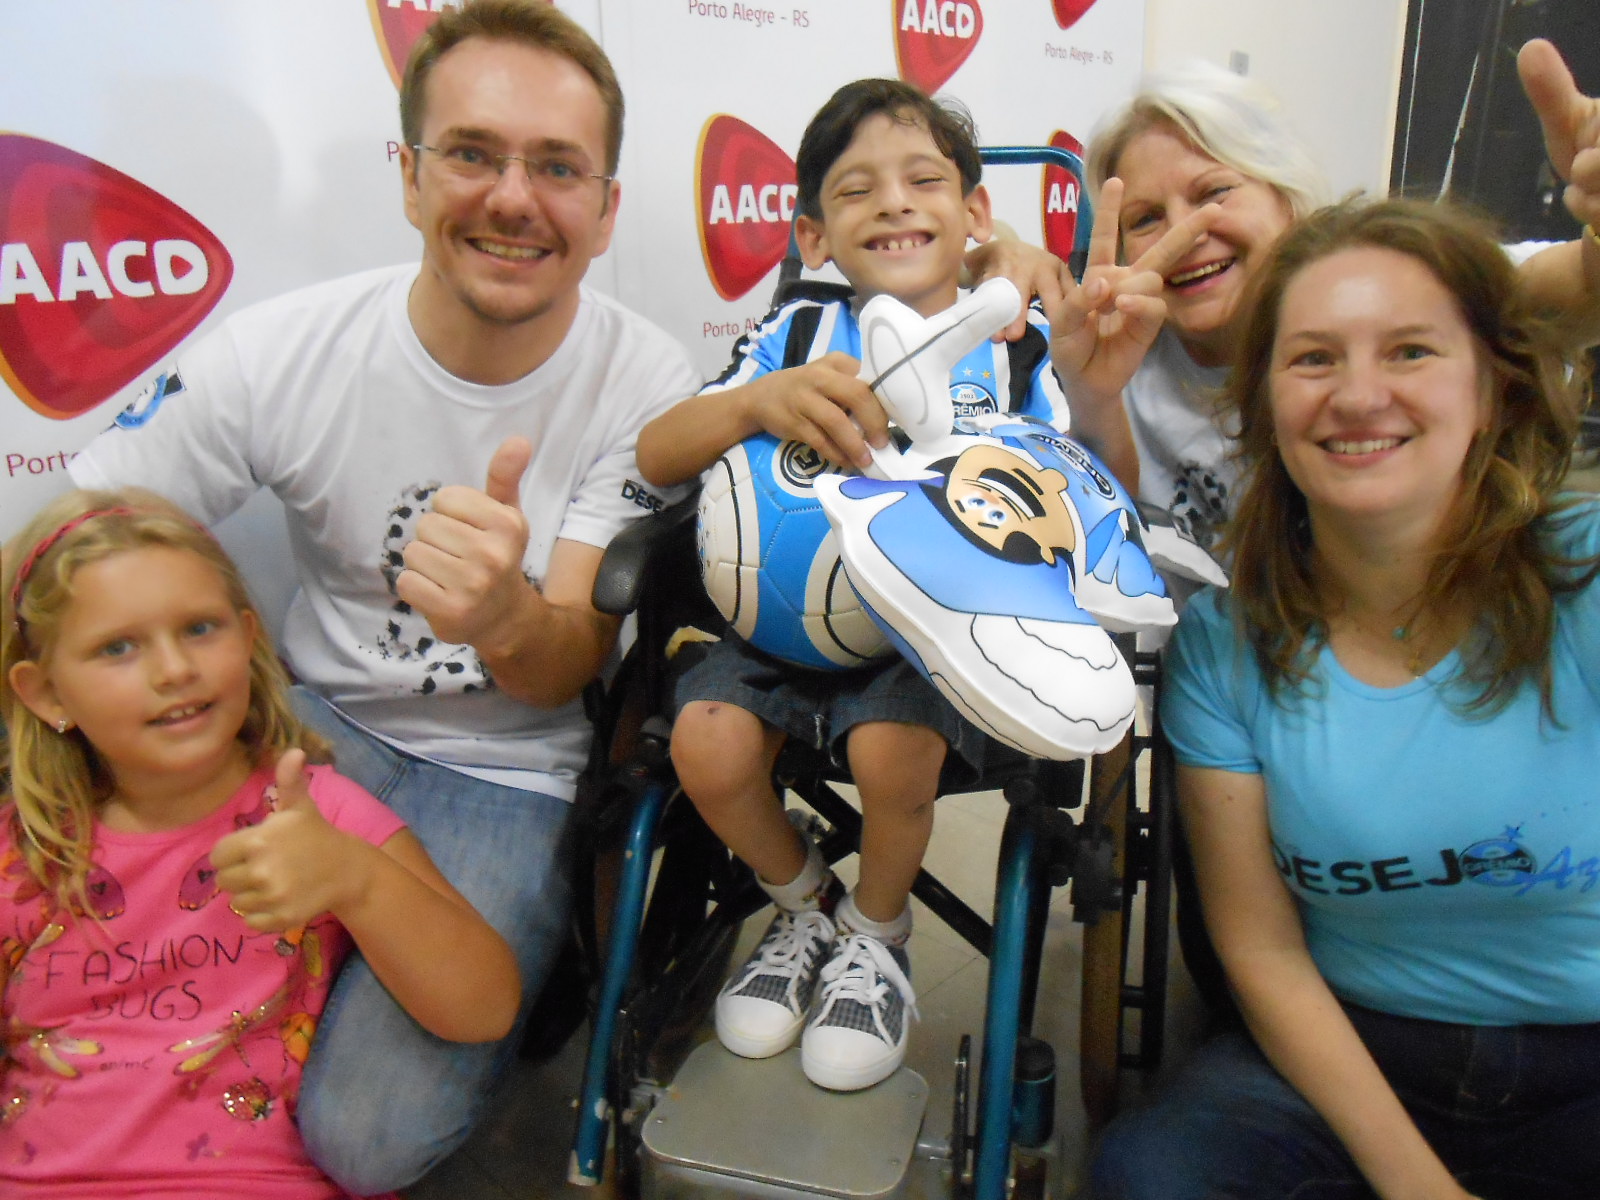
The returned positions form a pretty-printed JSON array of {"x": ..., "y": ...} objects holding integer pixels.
[{"x": 1007, "y": 377}]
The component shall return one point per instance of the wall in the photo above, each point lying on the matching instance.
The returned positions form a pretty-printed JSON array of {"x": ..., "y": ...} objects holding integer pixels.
[
  {"x": 1335, "y": 67},
  {"x": 258, "y": 137}
]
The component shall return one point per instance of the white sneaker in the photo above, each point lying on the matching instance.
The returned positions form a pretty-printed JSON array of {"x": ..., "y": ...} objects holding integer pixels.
[
  {"x": 856, "y": 1035},
  {"x": 761, "y": 1009}
]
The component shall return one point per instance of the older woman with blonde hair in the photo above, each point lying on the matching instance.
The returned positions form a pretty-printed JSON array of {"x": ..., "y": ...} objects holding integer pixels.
[{"x": 1197, "y": 177}]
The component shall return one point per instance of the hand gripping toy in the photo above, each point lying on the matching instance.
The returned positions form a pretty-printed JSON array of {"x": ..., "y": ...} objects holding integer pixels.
[
  {"x": 768, "y": 557},
  {"x": 997, "y": 557}
]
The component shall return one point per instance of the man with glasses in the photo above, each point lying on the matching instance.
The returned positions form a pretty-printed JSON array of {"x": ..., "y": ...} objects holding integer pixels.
[{"x": 454, "y": 446}]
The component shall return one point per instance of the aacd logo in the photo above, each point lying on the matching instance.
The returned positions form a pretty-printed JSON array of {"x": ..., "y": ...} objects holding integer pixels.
[
  {"x": 1062, "y": 197},
  {"x": 1068, "y": 11},
  {"x": 99, "y": 276},
  {"x": 934, "y": 37},
  {"x": 745, "y": 195},
  {"x": 398, "y": 24}
]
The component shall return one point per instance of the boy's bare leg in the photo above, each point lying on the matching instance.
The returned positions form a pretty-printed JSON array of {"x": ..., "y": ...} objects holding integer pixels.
[
  {"x": 896, "y": 769},
  {"x": 724, "y": 756},
  {"x": 856, "y": 1031}
]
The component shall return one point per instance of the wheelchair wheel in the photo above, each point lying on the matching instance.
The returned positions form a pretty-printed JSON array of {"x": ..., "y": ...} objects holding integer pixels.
[
  {"x": 682, "y": 955},
  {"x": 1150, "y": 856},
  {"x": 1105, "y": 940},
  {"x": 682, "y": 946},
  {"x": 562, "y": 1006}
]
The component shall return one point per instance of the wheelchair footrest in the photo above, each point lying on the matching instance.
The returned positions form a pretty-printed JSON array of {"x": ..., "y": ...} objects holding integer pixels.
[{"x": 736, "y": 1127}]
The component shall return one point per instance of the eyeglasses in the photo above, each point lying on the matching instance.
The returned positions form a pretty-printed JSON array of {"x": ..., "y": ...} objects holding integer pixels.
[{"x": 473, "y": 165}]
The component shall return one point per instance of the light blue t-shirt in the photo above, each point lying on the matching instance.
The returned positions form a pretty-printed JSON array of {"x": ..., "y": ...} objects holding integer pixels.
[{"x": 1446, "y": 868}]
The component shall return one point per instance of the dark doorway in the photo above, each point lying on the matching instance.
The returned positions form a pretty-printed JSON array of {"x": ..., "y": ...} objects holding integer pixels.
[{"x": 1465, "y": 128}]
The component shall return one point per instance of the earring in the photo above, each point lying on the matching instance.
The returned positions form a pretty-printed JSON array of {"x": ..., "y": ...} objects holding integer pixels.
[{"x": 63, "y": 725}]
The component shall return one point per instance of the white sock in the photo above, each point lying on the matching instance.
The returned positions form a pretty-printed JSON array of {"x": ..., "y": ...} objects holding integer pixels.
[
  {"x": 890, "y": 933},
  {"x": 804, "y": 892}
]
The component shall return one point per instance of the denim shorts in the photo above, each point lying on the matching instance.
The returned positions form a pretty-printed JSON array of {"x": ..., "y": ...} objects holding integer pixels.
[{"x": 819, "y": 708}]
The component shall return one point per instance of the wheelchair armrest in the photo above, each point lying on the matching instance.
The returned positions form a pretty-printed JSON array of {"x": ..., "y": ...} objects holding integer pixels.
[{"x": 619, "y": 583}]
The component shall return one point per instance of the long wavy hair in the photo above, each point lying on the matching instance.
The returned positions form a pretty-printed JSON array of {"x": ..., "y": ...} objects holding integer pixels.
[
  {"x": 1494, "y": 558},
  {"x": 56, "y": 782}
]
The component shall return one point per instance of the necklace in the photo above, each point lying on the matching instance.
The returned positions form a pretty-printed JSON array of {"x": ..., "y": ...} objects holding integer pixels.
[
  {"x": 1413, "y": 639},
  {"x": 1406, "y": 636}
]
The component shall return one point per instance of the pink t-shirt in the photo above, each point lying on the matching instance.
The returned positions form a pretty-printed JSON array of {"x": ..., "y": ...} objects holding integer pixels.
[{"x": 156, "y": 1052}]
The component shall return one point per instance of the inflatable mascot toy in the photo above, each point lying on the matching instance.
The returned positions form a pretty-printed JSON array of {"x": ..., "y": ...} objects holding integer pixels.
[{"x": 996, "y": 553}]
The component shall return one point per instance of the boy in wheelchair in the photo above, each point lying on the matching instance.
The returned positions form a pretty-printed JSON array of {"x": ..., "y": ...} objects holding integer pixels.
[{"x": 889, "y": 191}]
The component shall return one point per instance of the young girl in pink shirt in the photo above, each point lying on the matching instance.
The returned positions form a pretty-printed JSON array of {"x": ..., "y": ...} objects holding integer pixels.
[{"x": 177, "y": 887}]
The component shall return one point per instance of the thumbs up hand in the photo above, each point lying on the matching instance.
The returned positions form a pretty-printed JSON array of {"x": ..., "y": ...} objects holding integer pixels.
[
  {"x": 1571, "y": 124},
  {"x": 289, "y": 869},
  {"x": 506, "y": 468},
  {"x": 464, "y": 568}
]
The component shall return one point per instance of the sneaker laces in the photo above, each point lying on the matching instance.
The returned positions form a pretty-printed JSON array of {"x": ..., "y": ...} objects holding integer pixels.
[
  {"x": 862, "y": 970},
  {"x": 789, "y": 948}
]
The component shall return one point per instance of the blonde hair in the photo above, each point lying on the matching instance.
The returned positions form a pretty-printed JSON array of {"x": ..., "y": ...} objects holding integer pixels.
[
  {"x": 1494, "y": 558},
  {"x": 1225, "y": 117},
  {"x": 55, "y": 782}
]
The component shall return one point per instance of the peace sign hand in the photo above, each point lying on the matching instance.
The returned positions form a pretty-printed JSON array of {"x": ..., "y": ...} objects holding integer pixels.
[{"x": 1103, "y": 327}]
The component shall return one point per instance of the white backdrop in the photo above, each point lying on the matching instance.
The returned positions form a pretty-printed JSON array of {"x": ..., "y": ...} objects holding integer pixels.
[{"x": 164, "y": 162}]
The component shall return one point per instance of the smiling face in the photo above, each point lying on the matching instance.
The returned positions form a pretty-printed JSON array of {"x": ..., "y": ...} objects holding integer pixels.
[
  {"x": 504, "y": 253},
  {"x": 1165, "y": 178},
  {"x": 1377, "y": 388},
  {"x": 894, "y": 220},
  {"x": 151, "y": 661}
]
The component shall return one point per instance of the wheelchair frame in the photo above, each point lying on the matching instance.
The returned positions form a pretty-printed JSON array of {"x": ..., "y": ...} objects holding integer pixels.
[{"x": 665, "y": 956}]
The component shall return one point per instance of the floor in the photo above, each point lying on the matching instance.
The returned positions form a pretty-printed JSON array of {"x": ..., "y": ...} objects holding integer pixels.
[{"x": 522, "y": 1152}]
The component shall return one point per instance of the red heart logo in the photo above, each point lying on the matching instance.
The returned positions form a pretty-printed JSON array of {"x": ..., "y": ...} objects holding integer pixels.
[
  {"x": 1068, "y": 11},
  {"x": 934, "y": 37},
  {"x": 398, "y": 24},
  {"x": 744, "y": 193},
  {"x": 99, "y": 276},
  {"x": 1060, "y": 196}
]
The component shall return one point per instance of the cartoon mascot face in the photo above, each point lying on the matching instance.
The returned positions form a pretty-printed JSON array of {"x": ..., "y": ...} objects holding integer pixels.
[{"x": 999, "y": 495}]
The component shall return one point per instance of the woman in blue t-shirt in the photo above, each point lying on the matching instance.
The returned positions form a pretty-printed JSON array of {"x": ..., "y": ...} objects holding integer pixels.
[{"x": 1389, "y": 743}]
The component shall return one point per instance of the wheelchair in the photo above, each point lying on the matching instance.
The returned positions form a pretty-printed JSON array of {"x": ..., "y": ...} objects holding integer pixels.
[{"x": 663, "y": 907}]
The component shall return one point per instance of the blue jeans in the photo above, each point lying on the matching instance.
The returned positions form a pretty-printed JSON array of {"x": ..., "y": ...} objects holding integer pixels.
[
  {"x": 1513, "y": 1112},
  {"x": 383, "y": 1100}
]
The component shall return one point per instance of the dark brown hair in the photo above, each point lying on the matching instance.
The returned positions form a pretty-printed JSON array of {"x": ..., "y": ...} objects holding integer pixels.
[{"x": 834, "y": 127}]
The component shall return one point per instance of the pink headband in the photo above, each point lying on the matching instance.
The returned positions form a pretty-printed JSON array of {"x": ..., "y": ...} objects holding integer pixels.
[{"x": 50, "y": 539}]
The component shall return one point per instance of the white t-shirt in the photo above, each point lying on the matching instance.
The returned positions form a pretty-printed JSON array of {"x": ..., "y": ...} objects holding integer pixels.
[
  {"x": 1184, "y": 462},
  {"x": 327, "y": 397}
]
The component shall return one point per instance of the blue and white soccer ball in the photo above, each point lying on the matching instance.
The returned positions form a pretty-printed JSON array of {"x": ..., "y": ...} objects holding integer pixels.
[{"x": 771, "y": 562}]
